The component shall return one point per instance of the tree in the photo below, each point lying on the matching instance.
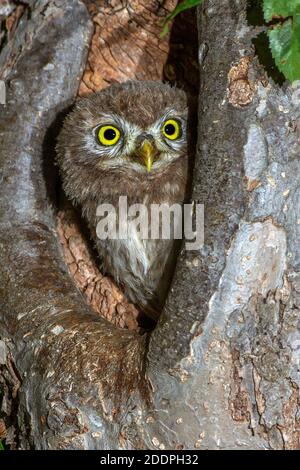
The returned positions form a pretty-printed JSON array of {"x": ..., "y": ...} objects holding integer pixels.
[{"x": 221, "y": 369}]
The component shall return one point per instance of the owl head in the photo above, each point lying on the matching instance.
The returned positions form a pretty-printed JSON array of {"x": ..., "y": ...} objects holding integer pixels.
[{"x": 134, "y": 132}]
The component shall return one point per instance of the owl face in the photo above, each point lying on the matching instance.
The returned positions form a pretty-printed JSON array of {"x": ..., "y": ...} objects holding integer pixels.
[
  {"x": 133, "y": 128},
  {"x": 120, "y": 143}
]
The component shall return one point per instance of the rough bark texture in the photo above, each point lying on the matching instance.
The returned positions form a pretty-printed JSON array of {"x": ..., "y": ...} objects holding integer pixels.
[
  {"x": 126, "y": 45},
  {"x": 221, "y": 369},
  {"x": 99, "y": 291}
]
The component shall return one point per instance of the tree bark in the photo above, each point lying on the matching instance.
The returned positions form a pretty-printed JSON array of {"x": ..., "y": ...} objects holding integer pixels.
[{"x": 221, "y": 368}]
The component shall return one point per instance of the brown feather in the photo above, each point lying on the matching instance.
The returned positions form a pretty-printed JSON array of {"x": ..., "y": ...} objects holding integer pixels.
[{"x": 91, "y": 177}]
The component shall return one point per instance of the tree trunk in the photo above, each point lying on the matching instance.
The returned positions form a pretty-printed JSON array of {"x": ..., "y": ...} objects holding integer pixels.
[{"x": 221, "y": 368}]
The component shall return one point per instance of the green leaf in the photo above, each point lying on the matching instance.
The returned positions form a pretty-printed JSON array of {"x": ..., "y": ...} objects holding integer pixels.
[
  {"x": 284, "y": 36},
  {"x": 285, "y": 47},
  {"x": 1, "y": 446},
  {"x": 184, "y": 5},
  {"x": 278, "y": 9}
]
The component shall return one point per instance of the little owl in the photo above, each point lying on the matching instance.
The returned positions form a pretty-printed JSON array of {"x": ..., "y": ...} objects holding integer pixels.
[{"x": 130, "y": 139}]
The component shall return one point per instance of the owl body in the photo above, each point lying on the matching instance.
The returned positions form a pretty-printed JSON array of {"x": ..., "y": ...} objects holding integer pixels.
[{"x": 129, "y": 140}]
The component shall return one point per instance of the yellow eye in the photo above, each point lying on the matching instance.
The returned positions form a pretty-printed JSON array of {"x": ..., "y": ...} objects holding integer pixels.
[
  {"x": 171, "y": 129},
  {"x": 108, "y": 135}
]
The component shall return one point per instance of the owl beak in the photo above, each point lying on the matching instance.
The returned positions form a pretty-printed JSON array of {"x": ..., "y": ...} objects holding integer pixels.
[{"x": 147, "y": 152}]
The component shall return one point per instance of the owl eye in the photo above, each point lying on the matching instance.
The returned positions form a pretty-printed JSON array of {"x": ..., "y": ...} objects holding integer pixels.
[
  {"x": 172, "y": 129},
  {"x": 108, "y": 135}
]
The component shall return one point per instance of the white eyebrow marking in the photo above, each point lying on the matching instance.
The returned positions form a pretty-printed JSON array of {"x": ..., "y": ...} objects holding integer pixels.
[{"x": 129, "y": 132}]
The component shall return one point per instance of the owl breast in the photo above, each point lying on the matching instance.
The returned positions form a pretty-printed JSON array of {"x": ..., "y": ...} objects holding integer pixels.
[{"x": 144, "y": 266}]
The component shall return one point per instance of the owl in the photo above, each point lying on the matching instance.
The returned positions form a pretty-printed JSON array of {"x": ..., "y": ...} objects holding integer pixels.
[{"x": 130, "y": 139}]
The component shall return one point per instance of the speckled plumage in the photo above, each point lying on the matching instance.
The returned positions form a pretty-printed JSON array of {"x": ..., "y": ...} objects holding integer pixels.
[{"x": 92, "y": 174}]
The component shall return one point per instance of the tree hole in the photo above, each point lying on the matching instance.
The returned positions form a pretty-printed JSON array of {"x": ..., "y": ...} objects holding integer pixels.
[{"x": 126, "y": 45}]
